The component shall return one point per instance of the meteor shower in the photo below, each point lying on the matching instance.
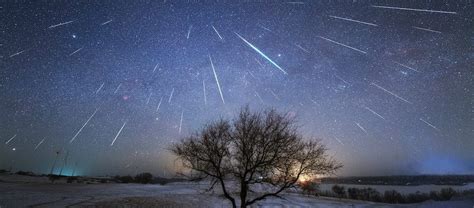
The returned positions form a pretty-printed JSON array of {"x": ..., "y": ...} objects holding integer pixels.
[{"x": 242, "y": 103}]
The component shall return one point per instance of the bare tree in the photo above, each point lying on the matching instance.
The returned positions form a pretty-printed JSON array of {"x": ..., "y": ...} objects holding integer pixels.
[{"x": 255, "y": 148}]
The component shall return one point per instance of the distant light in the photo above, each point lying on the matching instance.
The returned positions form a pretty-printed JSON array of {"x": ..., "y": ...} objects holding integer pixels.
[
  {"x": 304, "y": 178},
  {"x": 14, "y": 149},
  {"x": 74, "y": 36}
]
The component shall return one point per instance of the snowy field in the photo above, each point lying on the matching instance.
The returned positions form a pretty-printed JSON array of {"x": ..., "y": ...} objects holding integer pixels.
[{"x": 24, "y": 191}]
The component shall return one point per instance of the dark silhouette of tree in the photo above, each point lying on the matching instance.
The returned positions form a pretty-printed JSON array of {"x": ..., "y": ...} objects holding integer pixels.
[
  {"x": 393, "y": 197},
  {"x": 255, "y": 148},
  {"x": 144, "y": 178},
  {"x": 340, "y": 191},
  {"x": 124, "y": 179},
  {"x": 310, "y": 188},
  {"x": 446, "y": 194}
]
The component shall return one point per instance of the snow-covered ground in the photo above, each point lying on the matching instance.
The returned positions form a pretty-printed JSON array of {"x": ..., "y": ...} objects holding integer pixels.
[{"x": 24, "y": 191}]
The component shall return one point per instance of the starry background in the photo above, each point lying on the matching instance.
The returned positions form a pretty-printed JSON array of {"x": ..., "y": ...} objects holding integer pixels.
[{"x": 393, "y": 95}]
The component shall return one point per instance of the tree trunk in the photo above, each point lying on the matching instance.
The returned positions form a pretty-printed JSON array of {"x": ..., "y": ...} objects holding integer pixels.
[
  {"x": 243, "y": 193},
  {"x": 227, "y": 195}
]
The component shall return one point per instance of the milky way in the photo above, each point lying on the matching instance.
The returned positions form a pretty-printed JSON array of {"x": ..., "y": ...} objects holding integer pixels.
[{"x": 388, "y": 86}]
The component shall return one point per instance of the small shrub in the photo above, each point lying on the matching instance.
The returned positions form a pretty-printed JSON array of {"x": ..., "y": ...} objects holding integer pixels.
[
  {"x": 71, "y": 179},
  {"x": 446, "y": 194},
  {"x": 393, "y": 197},
  {"x": 310, "y": 188},
  {"x": 327, "y": 193},
  {"x": 124, "y": 179},
  {"x": 434, "y": 195},
  {"x": 144, "y": 178},
  {"x": 340, "y": 191},
  {"x": 353, "y": 193},
  {"x": 161, "y": 181},
  {"x": 367, "y": 194},
  {"x": 25, "y": 173},
  {"x": 373, "y": 195},
  {"x": 416, "y": 197},
  {"x": 53, "y": 177}
]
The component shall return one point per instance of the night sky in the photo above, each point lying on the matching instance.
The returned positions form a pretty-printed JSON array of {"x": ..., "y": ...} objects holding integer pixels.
[{"x": 387, "y": 85}]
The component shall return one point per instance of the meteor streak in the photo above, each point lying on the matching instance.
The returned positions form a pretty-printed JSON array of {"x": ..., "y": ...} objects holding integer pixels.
[
  {"x": 189, "y": 32},
  {"x": 60, "y": 24},
  {"x": 429, "y": 124},
  {"x": 361, "y": 128},
  {"x": 274, "y": 94},
  {"x": 118, "y": 87},
  {"x": 13, "y": 137},
  {"x": 75, "y": 51},
  {"x": 426, "y": 29},
  {"x": 17, "y": 53},
  {"x": 352, "y": 20},
  {"x": 217, "y": 80},
  {"x": 408, "y": 67},
  {"x": 118, "y": 133},
  {"x": 73, "y": 138},
  {"x": 217, "y": 32},
  {"x": 301, "y": 47},
  {"x": 413, "y": 9},
  {"x": 338, "y": 140},
  {"x": 262, "y": 54},
  {"x": 251, "y": 74},
  {"x": 159, "y": 104},
  {"x": 340, "y": 78},
  {"x": 261, "y": 65},
  {"x": 41, "y": 142},
  {"x": 375, "y": 113},
  {"x": 391, "y": 93},
  {"x": 148, "y": 99},
  {"x": 204, "y": 91},
  {"x": 156, "y": 66},
  {"x": 265, "y": 28},
  {"x": 181, "y": 122},
  {"x": 332, "y": 41},
  {"x": 98, "y": 90},
  {"x": 171, "y": 95},
  {"x": 107, "y": 22},
  {"x": 258, "y": 95}
]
